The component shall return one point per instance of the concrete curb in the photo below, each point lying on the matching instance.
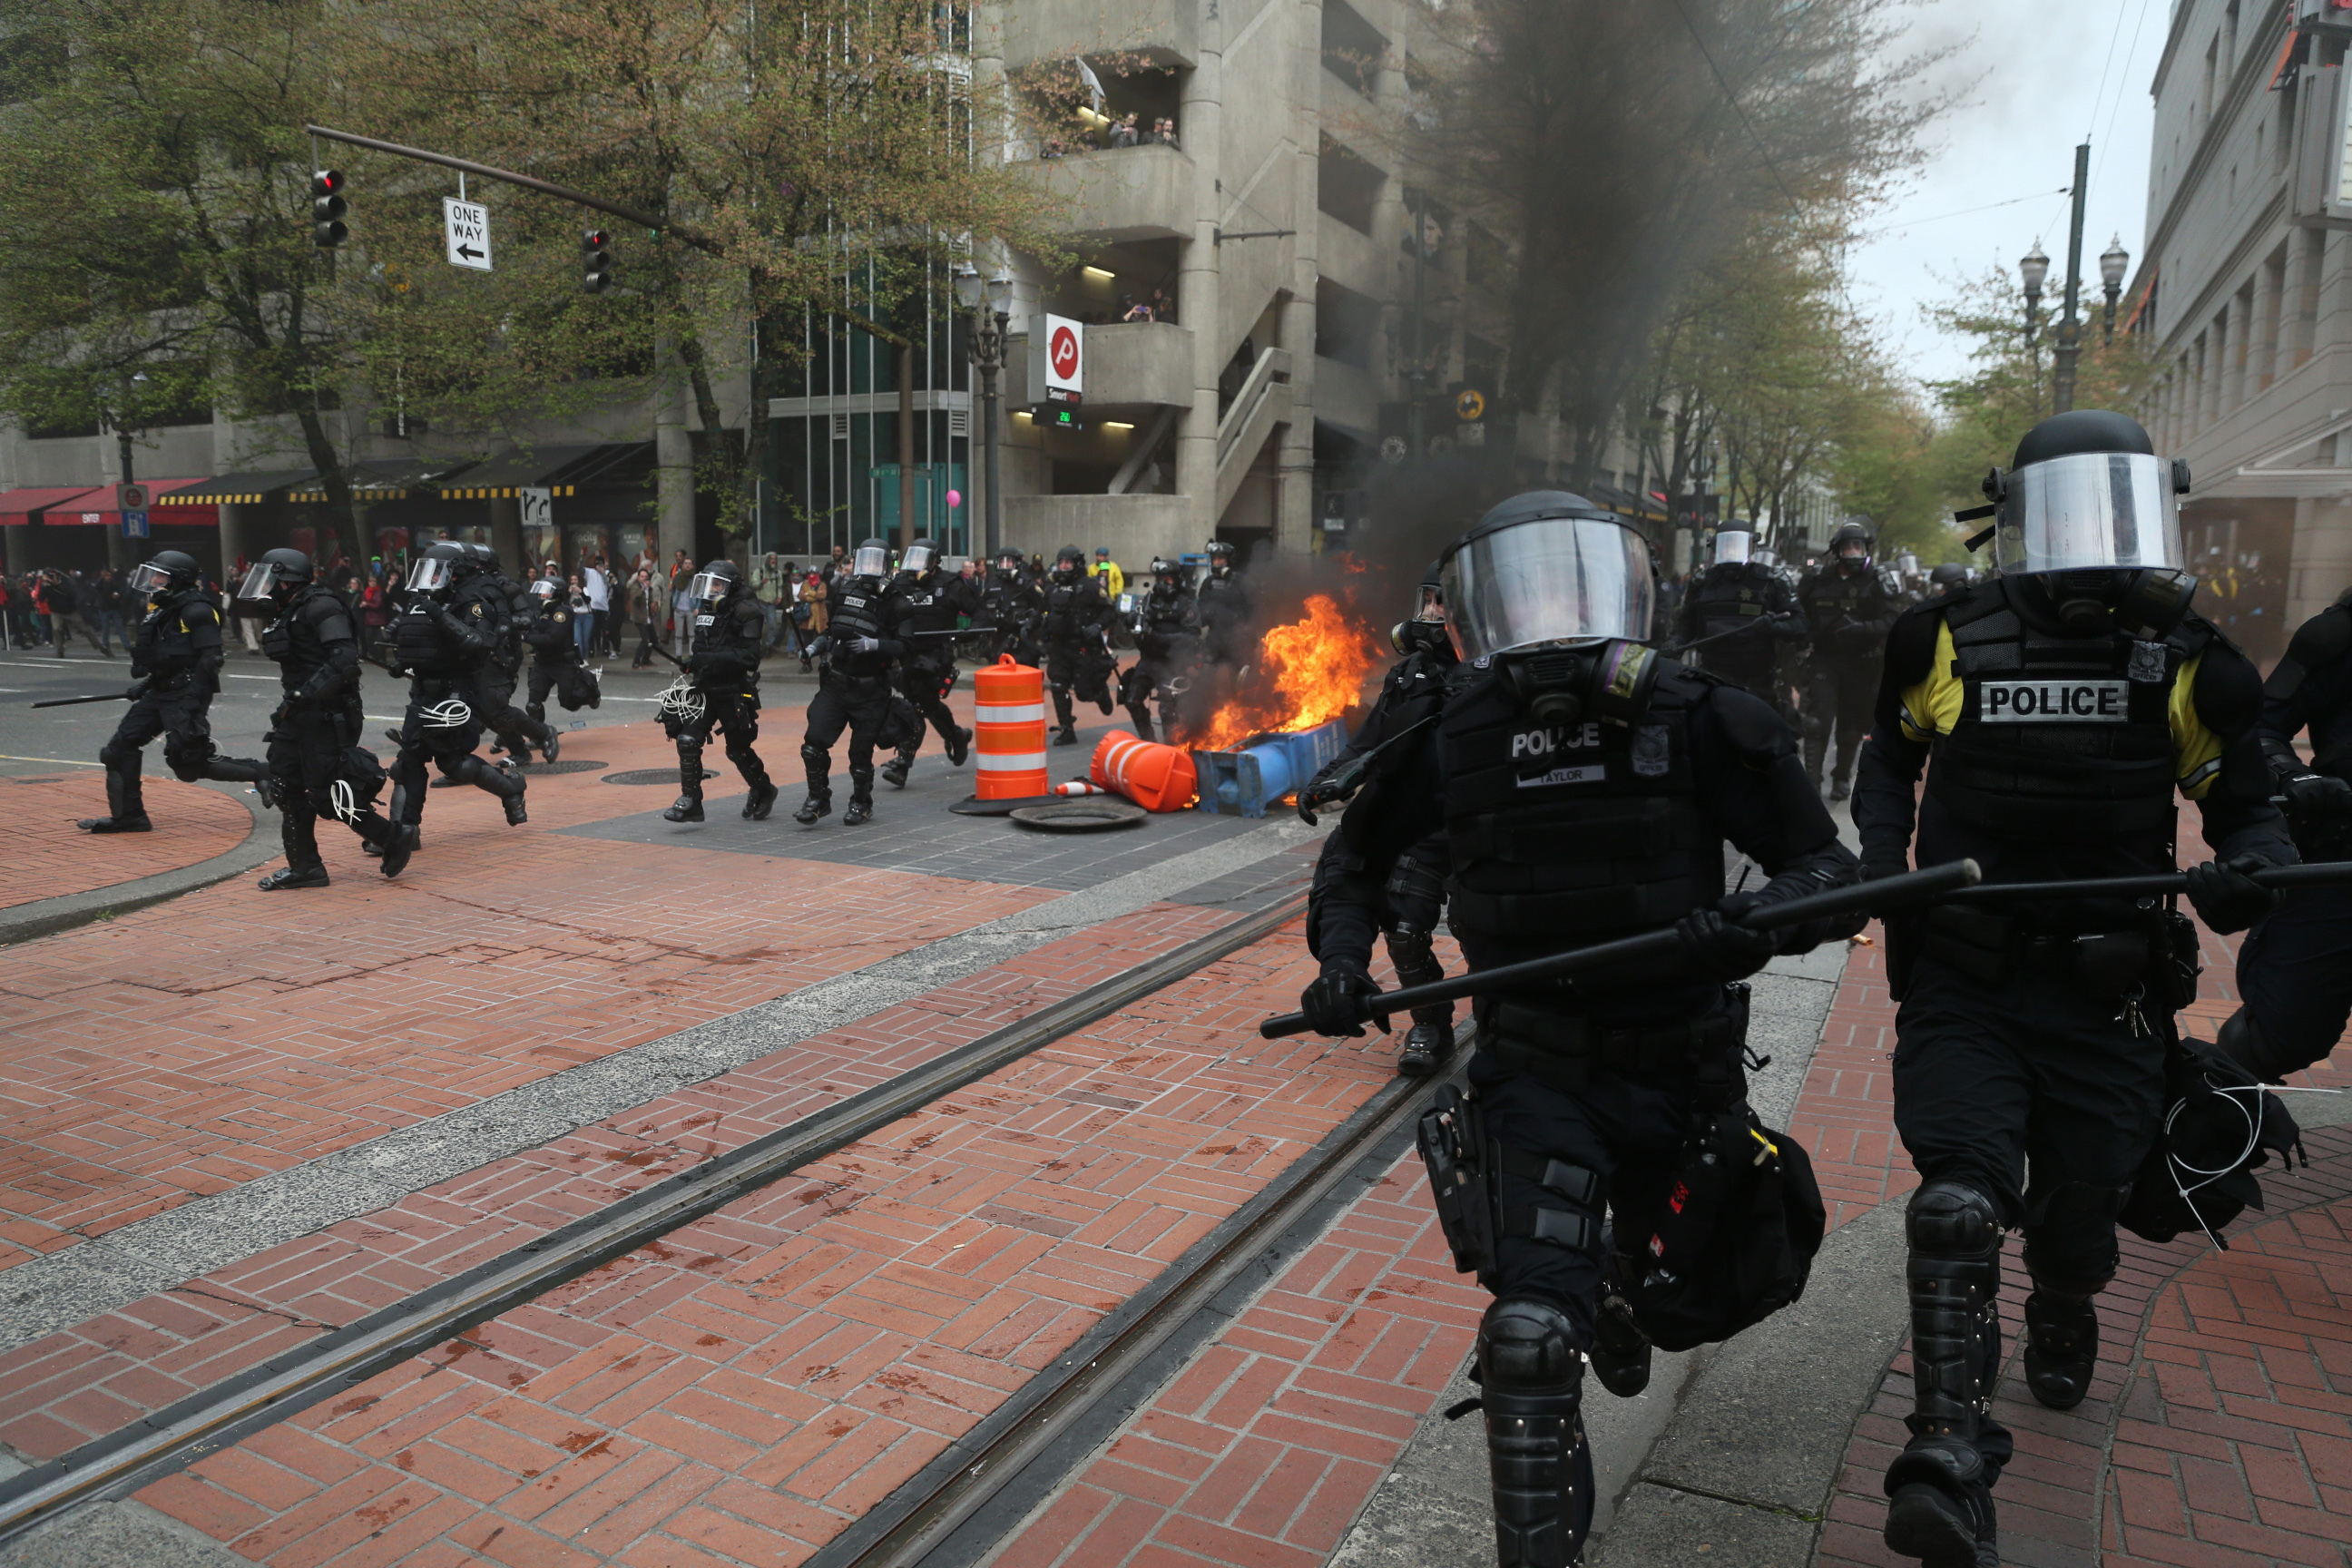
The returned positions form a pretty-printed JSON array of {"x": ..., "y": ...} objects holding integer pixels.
[{"x": 46, "y": 917}]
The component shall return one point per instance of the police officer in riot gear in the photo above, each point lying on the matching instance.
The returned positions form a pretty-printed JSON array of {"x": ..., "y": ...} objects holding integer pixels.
[
  {"x": 720, "y": 690},
  {"x": 1943, "y": 579},
  {"x": 2295, "y": 970},
  {"x": 316, "y": 767},
  {"x": 1396, "y": 740},
  {"x": 517, "y": 731},
  {"x": 556, "y": 666},
  {"x": 1015, "y": 606},
  {"x": 1168, "y": 635},
  {"x": 1076, "y": 634},
  {"x": 926, "y": 605},
  {"x": 1744, "y": 613},
  {"x": 2054, "y": 710},
  {"x": 176, "y": 656},
  {"x": 1847, "y": 606},
  {"x": 855, "y": 692},
  {"x": 449, "y": 627},
  {"x": 1225, "y": 605},
  {"x": 1586, "y": 786}
]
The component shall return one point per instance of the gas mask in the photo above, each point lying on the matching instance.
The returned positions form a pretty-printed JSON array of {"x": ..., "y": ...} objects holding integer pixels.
[
  {"x": 1608, "y": 682},
  {"x": 2143, "y": 602}
]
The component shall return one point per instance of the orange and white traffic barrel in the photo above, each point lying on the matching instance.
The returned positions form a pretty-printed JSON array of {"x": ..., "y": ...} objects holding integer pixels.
[
  {"x": 1009, "y": 700},
  {"x": 1156, "y": 778}
]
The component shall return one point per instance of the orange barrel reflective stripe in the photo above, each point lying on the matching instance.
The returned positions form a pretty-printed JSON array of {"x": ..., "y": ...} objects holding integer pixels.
[
  {"x": 1009, "y": 701},
  {"x": 1156, "y": 778}
]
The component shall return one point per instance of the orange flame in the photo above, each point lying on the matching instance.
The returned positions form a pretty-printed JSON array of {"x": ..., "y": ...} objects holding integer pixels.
[{"x": 1310, "y": 671}]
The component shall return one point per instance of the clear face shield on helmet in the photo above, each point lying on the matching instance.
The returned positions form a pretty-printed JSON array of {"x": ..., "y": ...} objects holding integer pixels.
[
  {"x": 431, "y": 575},
  {"x": 147, "y": 579},
  {"x": 1549, "y": 580},
  {"x": 918, "y": 559},
  {"x": 260, "y": 583},
  {"x": 2089, "y": 510},
  {"x": 1731, "y": 547},
  {"x": 546, "y": 590},
  {"x": 710, "y": 588},
  {"x": 871, "y": 560}
]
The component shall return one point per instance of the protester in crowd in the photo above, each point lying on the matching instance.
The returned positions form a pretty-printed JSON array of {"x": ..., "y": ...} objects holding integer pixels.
[
  {"x": 772, "y": 587},
  {"x": 646, "y": 599},
  {"x": 681, "y": 605},
  {"x": 809, "y": 613},
  {"x": 599, "y": 617},
  {"x": 106, "y": 609},
  {"x": 1123, "y": 130}
]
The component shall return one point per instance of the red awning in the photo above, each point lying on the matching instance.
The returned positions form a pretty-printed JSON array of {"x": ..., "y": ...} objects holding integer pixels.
[
  {"x": 178, "y": 516},
  {"x": 18, "y": 507}
]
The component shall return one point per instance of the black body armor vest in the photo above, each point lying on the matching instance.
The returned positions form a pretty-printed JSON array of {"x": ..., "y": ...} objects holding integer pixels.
[
  {"x": 1733, "y": 597},
  {"x": 2060, "y": 738},
  {"x": 1582, "y": 832},
  {"x": 423, "y": 647},
  {"x": 932, "y": 605},
  {"x": 173, "y": 635},
  {"x": 1070, "y": 608},
  {"x": 857, "y": 611},
  {"x": 298, "y": 638}
]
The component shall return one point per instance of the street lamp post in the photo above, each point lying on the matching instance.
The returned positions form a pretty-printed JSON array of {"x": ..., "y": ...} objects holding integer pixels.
[
  {"x": 986, "y": 301},
  {"x": 2113, "y": 262},
  {"x": 2070, "y": 330},
  {"x": 2032, "y": 268}
]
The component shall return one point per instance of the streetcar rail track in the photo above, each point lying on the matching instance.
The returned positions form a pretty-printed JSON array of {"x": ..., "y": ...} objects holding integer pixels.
[{"x": 121, "y": 1462}]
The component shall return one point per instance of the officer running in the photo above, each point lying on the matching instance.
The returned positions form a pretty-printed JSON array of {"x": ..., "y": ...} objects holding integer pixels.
[
  {"x": 1586, "y": 786},
  {"x": 720, "y": 690},
  {"x": 176, "y": 656},
  {"x": 448, "y": 627},
  {"x": 2054, "y": 709},
  {"x": 316, "y": 765},
  {"x": 1847, "y": 607},
  {"x": 2295, "y": 970},
  {"x": 855, "y": 692},
  {"x": 1398, "y": 737},
  {"x": 517, "y": 731},
  {"x": 927, "y": 605},
  {"x": 1745, "y": 615},
  {"x": 1225, "y": 605},
  {"x": 1014, "y": 605},
  {"x": 556, "y": 666},
  {"x": 1168, "y": 635},
  {"x": 1077, "y": 646}
]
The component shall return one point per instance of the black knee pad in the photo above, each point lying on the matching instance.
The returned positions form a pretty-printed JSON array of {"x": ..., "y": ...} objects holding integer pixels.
[
  {"x": 815, "y": 756},
  {"x": 1530, "y": 1346},
  {"x": 1952, "y": 1220},
  {"x": 1531, "y": 1380},
  {"x": 114, "y": 753}
]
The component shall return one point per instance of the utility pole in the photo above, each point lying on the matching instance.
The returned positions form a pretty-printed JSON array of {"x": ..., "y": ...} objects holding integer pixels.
[{"x": 2070, "y": 330}]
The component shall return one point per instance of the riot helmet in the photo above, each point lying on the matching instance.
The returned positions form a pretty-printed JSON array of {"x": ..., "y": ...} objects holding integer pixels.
[
  {"x": 922, "y": 556},
  {"x": 277, "y": 574},
  {"x": 1951, "y": 575},
  {"x": 2089, "y": 510},
  {"x": 1547, "y": 568},
  {"x": 872, "y": 560},
  {"x": 722, "y": 577},
  {"x": 1069, "y": 562},
  {"x": 484, "y": 557},
  {"x": 440, "y": 568},
  {"x": 1851, "y": 545},
  {"x": 1731, "y": 546},
  {"x": 1221, "y": 558},
  {"x": 546, "y": 590},
  {"x": 1008, "y": 563},
  {"x": 1424, "y": 631},
  {"x": 1766, "y": 558},
  {"x": 1167, "y": 574},
  {"x": 169, "y": 571}
]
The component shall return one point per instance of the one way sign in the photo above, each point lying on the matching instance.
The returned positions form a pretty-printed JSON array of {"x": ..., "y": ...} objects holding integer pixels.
[{"x": 467, "y": 226}]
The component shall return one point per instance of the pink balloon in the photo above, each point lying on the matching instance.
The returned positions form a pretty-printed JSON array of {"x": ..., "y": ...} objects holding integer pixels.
[{"x": 955, "y": 500}]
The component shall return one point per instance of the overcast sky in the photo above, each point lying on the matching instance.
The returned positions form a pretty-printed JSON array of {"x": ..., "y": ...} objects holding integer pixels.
[{"x": 2030, "y": 74}]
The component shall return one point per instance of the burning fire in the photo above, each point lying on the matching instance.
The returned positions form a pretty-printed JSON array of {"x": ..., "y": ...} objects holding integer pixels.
[{"x": 1310, "y": 672}]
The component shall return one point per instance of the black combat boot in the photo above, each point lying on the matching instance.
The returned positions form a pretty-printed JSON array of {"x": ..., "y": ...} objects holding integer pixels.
[
  {"x": 760, "y": 801},
  {"x": 818, "y": 766},
  {"x": 1940, "y": 1489},
  {"x": 812, "y": 808},
  {"x": 685, "y": 808},
  {"x": 512, "y": 797},
  {"x": 2061, "y": 1346},
  {"x": 394, "y": 844},
  {"x": 861, "y": 798},
  {"x": 297, "y": 834},
  {"x": 1425, "y": 1045},
  {"x": 959, "y": 746},
  {"x": 1620, "y": 1351},
  {"x": 895, "y": 770},
  {"x": 115, "y": 824}
]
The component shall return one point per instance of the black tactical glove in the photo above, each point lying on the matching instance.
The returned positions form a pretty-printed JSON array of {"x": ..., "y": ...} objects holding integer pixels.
[
  {"x": 2320, "y": 799},
  {"x": 1333, "y": 1003},
  {"x": 1721, "y": 949},
  {"x": 1875, "y": 869},
  {"x": 139, "y": 688},
  {"x": 2226, "y": 899}
]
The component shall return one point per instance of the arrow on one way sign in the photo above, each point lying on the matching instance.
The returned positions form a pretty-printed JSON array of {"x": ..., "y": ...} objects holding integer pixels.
[{"x": 465, "y": 227}]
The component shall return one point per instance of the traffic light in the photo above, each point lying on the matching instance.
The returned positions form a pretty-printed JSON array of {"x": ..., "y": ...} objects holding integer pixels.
[
  {"x": 328, "y": 229},
  {"x": 598, "y": 259}
]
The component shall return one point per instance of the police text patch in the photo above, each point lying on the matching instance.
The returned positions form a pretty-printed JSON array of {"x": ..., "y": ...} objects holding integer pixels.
[{"x": 2054, "y": 702}]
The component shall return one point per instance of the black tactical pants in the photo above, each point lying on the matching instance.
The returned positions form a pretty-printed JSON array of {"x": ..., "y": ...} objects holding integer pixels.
[
  {"x": 517, "y": 730},
  {"x": 177, "y": 714},
  {"x": 1077, "y": 669},
  {"x": 735, "y": 714},
  {"x": 861, "y": 705},
  {"x": 572, "y": 684},
  {"x": 1161, "y": 677},
  {"x": 2295, "y": 971},
  {"x": 1628, "y": 1133},
  {"x": 309, "y": 758},
  {"x": 442, "y": 725},
  {"x": 1840, "y": 694},
  {"x": 924, "y": 684}
]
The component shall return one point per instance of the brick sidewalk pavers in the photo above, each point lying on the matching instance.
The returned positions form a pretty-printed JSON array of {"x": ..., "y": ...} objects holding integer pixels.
[
  {"x": 740, "y": 1391},
  {"x": 49, "y": 858}
]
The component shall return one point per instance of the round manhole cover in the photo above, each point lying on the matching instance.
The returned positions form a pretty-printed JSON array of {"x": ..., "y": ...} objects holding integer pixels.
[
  {"x": 651, "y": 777},
  {"x": 1080, "y": 815},
  {"x": 568, "y": 765}
]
